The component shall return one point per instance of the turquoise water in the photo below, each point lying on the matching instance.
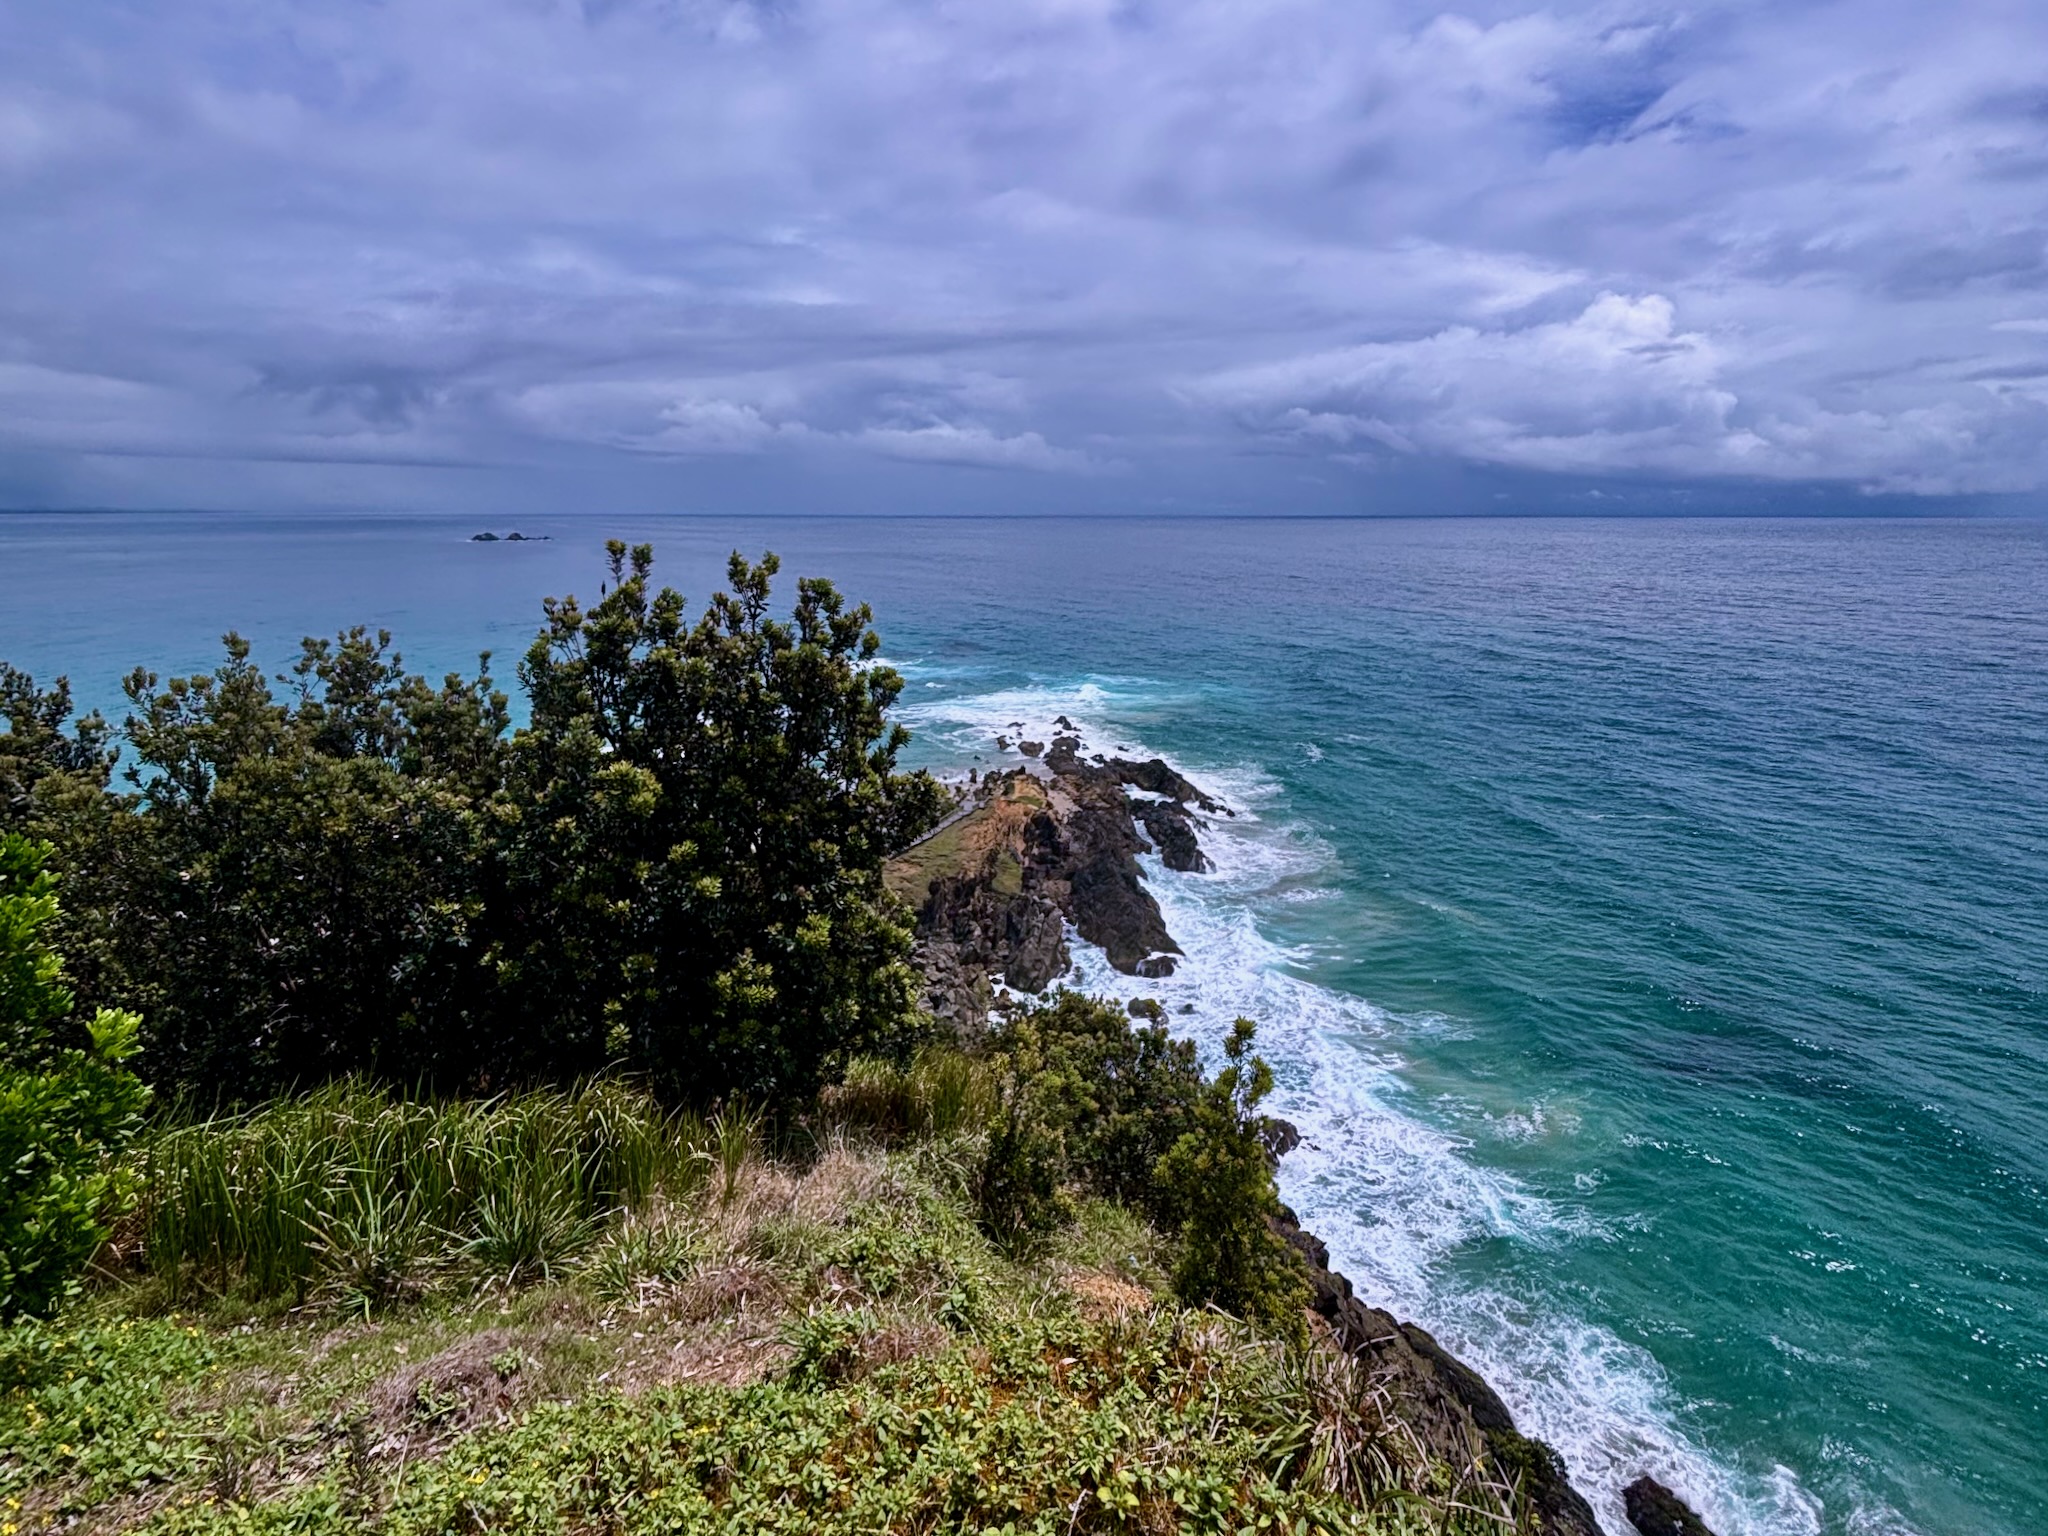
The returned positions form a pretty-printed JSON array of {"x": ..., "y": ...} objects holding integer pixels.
[{"x": 1648, "y": 921}]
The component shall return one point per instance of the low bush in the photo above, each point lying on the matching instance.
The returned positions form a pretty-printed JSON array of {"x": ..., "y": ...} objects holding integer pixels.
[
  {"x": 1125, "y": 1113},
  {"x": 1156, "y": 1422},
  {"x": 68, "y": 1103}
]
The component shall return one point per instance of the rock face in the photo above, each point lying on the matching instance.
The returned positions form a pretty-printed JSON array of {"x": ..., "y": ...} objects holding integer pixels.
[
  {"x": 1655, "y": 1510},
  {"x": 1155, "y": 777},
  {"x": 1037, "y": 848},
  {"x": 1456, "y": 1416}
]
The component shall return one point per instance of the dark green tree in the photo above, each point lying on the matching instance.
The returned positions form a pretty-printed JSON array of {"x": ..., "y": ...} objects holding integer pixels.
[
  {"x": 675, "y": 866},
  {"x": 297, "y": 890},
  {"x": 48, "y": 762},
  {"x": 1117, "y": 1094},
  {"x": 706, "y": 810},
  {"x": 1216, "y": 1186}
]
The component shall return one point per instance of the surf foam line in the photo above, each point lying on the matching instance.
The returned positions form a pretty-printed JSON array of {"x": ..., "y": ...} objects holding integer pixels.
[{"x": 1392, "y": 1195}]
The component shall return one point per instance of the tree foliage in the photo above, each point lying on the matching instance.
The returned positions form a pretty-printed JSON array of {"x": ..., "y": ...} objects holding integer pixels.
[
  {"x": 1124, "y": 1111},
  {"x": 674, "y": 866},
  {"x": 67, "y": 1101}
]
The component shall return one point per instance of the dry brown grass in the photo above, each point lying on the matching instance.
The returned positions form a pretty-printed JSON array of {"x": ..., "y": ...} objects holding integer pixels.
[
  {"x": 479, "y": 1380},
  {"x": 1101, "y": 1295}
]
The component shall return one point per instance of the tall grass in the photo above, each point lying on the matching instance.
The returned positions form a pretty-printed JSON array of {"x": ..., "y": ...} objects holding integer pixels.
[
  {"x": 353, "y": 1190},
  {"x": 942, "y": 1093}
]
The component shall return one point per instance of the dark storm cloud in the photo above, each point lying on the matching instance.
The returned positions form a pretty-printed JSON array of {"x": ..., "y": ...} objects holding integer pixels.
[{"x": 1056, "y": 252}]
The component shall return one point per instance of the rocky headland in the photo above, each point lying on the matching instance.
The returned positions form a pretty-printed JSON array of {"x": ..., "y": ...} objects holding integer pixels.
[{"x": 1048, "y": 848}]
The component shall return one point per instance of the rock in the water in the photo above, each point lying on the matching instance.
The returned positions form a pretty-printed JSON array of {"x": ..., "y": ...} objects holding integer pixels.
[
  {"x": 483, "y": 538},
  {"x": 1280, "y": 1137},
  {"x": 1002, "y": 743},
  {"x": 1655, "y": 1510},
  {"x": 1173, "y": 833},
  {"x": 1155, "y": 777},
  {"x": 1147, "y": 1008},
  {"x": 1031, "y": 748}
]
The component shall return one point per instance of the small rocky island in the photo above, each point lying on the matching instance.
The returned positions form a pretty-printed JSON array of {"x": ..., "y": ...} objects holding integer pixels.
[
  {"x": 1052, "y": 844},
  {"x": 514, "y": 537}
]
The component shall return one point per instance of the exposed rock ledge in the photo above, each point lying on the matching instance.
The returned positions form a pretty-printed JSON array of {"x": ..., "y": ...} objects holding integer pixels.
[
  {"x": 1055, "y": 841},
  {"x": 1051, "y": 842}
]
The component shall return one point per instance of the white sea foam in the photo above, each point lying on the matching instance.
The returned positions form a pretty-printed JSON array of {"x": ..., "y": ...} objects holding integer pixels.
[{"x": 1393, "y": 1196}]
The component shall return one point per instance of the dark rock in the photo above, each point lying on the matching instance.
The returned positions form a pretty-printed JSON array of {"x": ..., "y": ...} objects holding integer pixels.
[
  {"x": 1455, "y": 1416},
  {"x": 1655, "y": 1510},
  {"x": 1037, "y": 943},
  {"x": 1280, "y": 1138},
  {"x": 1064, "y": 723},
  {"x": 1068, "y": 744},
  {"x": 1146, "y": 1008},
  {"x": 1173, "y": 833},
  {"x": 1031, "y": 748},
  {"x": 483, "y": 538},
  {"x": 1085, "y": 858},
  {"x": 1466, "y": 1384},
  {"x": 1002, "y": 743},
  {"x": 1155, "y": 777},
  {"x": 968, "y": 931}
]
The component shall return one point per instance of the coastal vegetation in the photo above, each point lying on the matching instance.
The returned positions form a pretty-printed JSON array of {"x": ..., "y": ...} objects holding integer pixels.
[{"x": 548, "y": 1132}]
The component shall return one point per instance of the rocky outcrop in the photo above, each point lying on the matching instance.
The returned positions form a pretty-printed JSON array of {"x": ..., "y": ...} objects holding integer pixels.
[
  {"x": 1456, "y": 1417},
  {"x": 1155, "y": 777},
  {"x": 1655, "y": 1510},
  {"x": 1087, "y": 861},
  {"x": 1055, "y": 842}
]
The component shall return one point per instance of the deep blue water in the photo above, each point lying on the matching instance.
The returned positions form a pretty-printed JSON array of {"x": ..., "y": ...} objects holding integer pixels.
[{"x": 1647, "y": 920}]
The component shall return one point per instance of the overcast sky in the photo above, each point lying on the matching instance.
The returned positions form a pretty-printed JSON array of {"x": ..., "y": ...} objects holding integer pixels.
[{"x": 856, "y": 255}]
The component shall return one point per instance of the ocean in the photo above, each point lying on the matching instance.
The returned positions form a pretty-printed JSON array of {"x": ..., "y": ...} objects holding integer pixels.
[{"x": 1647, "y": 921}]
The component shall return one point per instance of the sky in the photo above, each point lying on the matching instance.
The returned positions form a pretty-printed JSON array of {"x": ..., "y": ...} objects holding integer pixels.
[{"x": 1347, "y": 256}]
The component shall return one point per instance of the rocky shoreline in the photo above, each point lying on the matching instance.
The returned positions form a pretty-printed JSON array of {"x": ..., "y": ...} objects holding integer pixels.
[{"x": 1050, "y": 845}]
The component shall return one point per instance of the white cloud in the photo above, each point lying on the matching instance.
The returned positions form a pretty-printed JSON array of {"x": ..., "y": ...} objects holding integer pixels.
[
  {"x": 651, "y": 416},
  {"x": 1616, "y": 386},
  {"x": 947, "y": 443}
]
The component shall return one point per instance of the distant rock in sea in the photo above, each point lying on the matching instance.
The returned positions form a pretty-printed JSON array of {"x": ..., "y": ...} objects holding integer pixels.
[
  {"x": 483, "y": 538},
  {"x": 514, "y": 537}
]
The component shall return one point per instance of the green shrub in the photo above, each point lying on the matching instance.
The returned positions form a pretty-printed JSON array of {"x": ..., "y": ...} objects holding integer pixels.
[
  {"x": 1124, "y": 1112},
  {"x": 1216, "y": 1185},
  {"x": 1115, "y": 1095},
  {"x": 1019, "y": 1191},
  {"x": 67, "y": 1103}
]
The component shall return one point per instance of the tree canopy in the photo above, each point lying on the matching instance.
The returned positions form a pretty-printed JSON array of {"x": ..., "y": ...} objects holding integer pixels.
[{"x": 673, "y": 867}]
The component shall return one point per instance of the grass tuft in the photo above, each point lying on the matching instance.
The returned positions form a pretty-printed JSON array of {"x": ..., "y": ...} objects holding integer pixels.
[{"x": 355, "y": 1194}]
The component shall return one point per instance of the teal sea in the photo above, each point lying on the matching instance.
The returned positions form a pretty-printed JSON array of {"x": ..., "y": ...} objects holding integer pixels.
[{"x": 1647, "y": 920}]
